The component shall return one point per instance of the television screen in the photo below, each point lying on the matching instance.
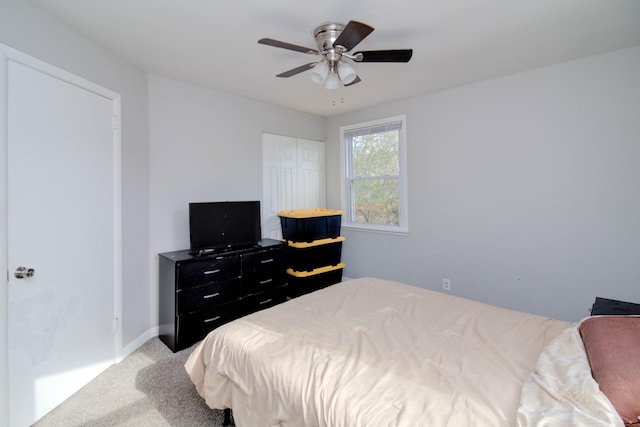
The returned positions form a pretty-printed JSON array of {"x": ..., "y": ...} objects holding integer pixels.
[{"x": 218, "y": 225}]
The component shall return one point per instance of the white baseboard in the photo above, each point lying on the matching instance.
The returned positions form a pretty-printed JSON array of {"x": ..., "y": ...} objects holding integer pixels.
[{"x": 135, "y": 344}]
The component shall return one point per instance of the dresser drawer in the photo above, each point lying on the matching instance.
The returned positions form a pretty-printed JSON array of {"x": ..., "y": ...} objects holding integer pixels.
[
  {"x": 197, "y": 298},
  {"x": 264, "y": 300},
  {"x": 206, "y": 271},
  {"x": 193, "y": 327},
  {"x": 262, "y": 283},
  {"x": 263, "y": 263},
  {"x": 263, "y": 271}
]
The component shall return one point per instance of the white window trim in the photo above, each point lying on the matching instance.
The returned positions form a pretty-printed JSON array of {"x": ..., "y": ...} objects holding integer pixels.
[{"x": 403, "y": 227}]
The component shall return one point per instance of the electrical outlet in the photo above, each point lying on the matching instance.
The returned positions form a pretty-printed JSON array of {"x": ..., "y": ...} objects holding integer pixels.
[{"x": 446, "y": 284}]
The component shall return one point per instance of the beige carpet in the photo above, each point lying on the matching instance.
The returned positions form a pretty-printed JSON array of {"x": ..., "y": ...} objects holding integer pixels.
[{"x": 148, "y": 388}]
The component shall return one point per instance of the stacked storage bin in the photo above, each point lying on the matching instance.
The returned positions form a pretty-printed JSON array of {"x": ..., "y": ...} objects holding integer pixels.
[{"x": 315, "y": 247}]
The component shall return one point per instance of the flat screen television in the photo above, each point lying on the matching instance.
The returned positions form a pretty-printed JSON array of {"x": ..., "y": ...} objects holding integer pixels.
[{"x": 224, "y": 225}]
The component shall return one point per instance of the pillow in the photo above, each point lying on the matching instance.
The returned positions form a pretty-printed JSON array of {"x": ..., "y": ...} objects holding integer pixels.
[{"x": 613, "y": 349}]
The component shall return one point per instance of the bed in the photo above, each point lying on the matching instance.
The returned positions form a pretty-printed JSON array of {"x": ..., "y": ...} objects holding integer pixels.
[{"x": 372, "y": 352}]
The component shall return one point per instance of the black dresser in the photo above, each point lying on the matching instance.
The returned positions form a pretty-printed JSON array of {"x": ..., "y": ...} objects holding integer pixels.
[{"x": 200, "y": 293}]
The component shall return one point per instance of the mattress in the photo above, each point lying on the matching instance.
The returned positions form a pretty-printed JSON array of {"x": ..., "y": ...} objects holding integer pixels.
[{"x": 372, "y": 352}]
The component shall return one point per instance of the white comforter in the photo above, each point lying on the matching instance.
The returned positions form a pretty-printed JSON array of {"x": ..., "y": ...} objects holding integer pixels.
[
  {"x": 370, "y": 352},
  {"x": 562, "y": 392}
]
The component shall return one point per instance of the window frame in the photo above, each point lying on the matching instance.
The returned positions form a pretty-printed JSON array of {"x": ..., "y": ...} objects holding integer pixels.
[{"x": 346, "y": 161}]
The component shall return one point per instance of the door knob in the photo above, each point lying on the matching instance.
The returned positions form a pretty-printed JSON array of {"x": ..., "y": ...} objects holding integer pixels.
[{"x": 22, "y": 272}]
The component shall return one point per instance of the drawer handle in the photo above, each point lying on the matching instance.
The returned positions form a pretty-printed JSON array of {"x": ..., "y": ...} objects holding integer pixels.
[
  {"x": 266, "y": 301},
  {"x": 213, "y": 319},
  {"x": 262, "y": 282},
  {"x": 266, "y": 261},
  {"x": 211, "y": 295},
  {"x": 212, "y": 271}
]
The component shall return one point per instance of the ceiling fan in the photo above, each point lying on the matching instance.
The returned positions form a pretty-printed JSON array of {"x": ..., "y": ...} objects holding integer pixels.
[{"x": 335, "y": 42}]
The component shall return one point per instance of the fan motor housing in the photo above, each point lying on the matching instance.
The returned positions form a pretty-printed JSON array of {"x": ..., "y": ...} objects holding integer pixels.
[{"x": 326, "y": 34}]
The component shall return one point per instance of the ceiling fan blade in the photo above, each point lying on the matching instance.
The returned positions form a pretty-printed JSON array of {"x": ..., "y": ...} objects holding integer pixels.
[
  {"x": 395, "y": 55},
  {"x": 357, "y": 80},
  {"x": 297, "y": 70},
  {"x": 352, "y": 34},
  {"x": 285, "y": 45}
]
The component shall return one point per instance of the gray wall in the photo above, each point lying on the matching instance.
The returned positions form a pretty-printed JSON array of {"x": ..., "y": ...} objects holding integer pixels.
[
  {"x": 206, "y": 145},
  {"x": 523, "y": 190}
]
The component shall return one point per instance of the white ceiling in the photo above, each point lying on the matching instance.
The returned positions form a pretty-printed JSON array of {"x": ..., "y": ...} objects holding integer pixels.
[{"x": 213, "y": 43}]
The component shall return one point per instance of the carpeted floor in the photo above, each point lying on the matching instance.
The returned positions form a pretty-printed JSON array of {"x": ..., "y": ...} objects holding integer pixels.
[{"x": 150, "y": 387}]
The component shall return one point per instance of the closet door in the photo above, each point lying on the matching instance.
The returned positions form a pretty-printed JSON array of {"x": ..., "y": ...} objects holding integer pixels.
[
  {"x": 293, "y": 178},
  {"x": 310, "y": 174}
]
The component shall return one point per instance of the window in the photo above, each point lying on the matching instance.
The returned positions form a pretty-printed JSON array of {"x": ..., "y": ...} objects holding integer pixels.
[{"x": 375, "y": 175}]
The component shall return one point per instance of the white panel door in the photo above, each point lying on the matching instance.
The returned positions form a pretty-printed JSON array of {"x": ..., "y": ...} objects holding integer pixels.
[
  {"x": 270, "y": 205},
  {"x": 287, "y": 193},
  {"x": 311, "y": 174},
  {"x": 293, "y": 173},
  {"x": 61, "y": 217}
]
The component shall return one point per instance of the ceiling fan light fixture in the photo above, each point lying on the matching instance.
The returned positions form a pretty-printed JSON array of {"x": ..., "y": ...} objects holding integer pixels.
[
  {"x": 346, "y": 72},
  {"x": 333, "y": 81},
  {"x": 335, "y": 42},
  {"x": 320, "y": 72}
]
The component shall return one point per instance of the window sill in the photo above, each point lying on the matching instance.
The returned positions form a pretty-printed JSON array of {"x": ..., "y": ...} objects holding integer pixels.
[{"x": 378, "y": 229}]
